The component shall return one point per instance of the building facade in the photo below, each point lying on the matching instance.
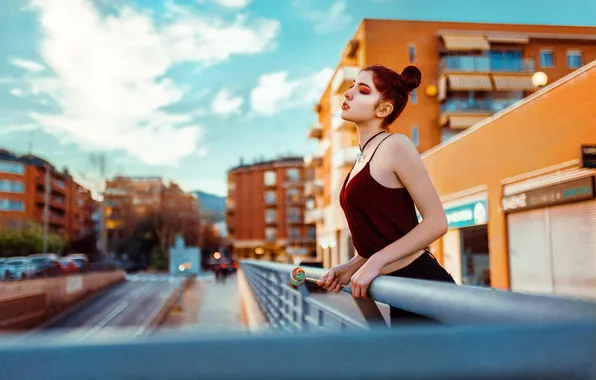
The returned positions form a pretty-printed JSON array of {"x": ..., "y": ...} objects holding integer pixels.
[
  {"x": 265, "y": 211},
  {"x": 25, "y": 189},
  {"x": 470, "y": 71},
  {"x": 521, "y": 206}
]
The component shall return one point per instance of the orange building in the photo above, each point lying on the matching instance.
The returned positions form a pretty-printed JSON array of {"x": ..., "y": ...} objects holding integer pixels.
[
  {"x": 130, "y": 198},
  {"x": 265, "y": 211},
  {"x": 23, "y": 184},
  {"x": 470, "y": 71},
  {"x": 521, "y": 202}
]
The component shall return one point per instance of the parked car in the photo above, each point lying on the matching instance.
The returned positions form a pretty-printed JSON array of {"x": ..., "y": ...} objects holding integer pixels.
[
  {"x": 19, "y": 268},
  {"x": 68, "y": 266},
  {"x": 80, "y": 259},
  {"x": 2, "y": 268},
  {"x": 46, "y": 264}
]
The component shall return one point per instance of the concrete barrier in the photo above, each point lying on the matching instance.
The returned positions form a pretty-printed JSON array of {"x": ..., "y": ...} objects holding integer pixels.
[{"x": 45, "y": 297}]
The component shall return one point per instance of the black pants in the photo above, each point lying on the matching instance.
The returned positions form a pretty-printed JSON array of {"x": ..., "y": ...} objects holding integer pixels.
[{"x": 426, "y": 267}]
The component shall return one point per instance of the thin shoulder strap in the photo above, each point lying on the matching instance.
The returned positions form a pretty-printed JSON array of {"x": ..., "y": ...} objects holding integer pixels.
[{"x": 375, "y": 151}]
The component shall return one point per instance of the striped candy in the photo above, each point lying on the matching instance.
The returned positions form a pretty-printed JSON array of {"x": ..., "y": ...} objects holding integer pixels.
[{"x": 297, "y": 277}]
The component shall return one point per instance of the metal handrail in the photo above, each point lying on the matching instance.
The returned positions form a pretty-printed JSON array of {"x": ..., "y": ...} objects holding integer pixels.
[
  {"x": 452, "y": 304},
  {"x": 495, "y": 352}
]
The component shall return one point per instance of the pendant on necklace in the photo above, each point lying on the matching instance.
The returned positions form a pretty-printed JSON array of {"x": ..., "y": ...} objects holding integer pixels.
[{"x": 359, "y": 157}]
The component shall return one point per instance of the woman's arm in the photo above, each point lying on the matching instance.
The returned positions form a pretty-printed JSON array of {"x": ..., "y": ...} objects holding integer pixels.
[{"x": 409, "y": 168}]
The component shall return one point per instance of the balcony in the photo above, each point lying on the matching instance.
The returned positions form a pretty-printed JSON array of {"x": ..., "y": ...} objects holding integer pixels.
[
  {"x": 339, "y": 124},
  {"x": 486, "y": 65},
  {"x": 343, "y": 78},
  {"x": 315, "y": 131},
  {"x": 313, "y": 216},
  {"x": 345, "y": 156},
  {"x": 463, "y": 113},
  {"x": 313, "y": 187},
  {"x": 314, "y": 160}
]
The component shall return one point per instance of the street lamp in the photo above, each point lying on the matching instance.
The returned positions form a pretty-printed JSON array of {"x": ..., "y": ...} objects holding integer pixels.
[{"x": 539, "y": 79}]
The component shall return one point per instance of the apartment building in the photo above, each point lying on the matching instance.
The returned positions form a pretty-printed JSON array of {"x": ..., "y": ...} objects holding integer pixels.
[
  {"x": 28, "y": 183},
  {"x": 265, "y": 211},
  {"x": 470, "y": 71}
]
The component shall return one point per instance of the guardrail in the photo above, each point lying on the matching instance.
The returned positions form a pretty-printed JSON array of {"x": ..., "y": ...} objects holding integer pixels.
[
  {"x": 459, "y": 352},
  {"x": 292, "y": 309}
]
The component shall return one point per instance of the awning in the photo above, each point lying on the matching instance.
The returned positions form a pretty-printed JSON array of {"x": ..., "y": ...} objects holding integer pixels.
[
  {"x": 513, "y": 83},
  {"x": 470, "y": 82},
  {"x": 461, "y": 42},
  {"x": 503, "y": 39},
  {"x": 465, "y": 121}
]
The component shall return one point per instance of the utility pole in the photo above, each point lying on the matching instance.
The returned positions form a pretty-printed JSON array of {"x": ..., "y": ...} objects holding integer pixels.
[
  {"x": 102, "y": 208},
  {"x": 46, "y": 209}
]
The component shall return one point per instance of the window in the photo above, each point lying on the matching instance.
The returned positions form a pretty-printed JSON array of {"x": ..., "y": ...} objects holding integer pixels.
[
  {"x": 12, "y": 186},
  {"x": 10, "y": 205},
  {"x": 414, "y": 97},
  {"x": 270, "y": 216},
  {"x": 293, "y": 214},
  {"x": 293, "y": 175},
  {"x": 415, "y": 137},
  {"x": 312, "y": 232},
  {"x": 293, "y": 196},
  {"x": 270, "y": 197},
  {"x": 60, "y": 184},
  {"x": 575, "y": 59},
  {"x": 547, "y": 59},
  {"x": 310, "y": 204},
  {"x": 412, "y": 53},
  {"x": 270, "y": 234},
  {"x": 294, "y": 233},
  {"x": 12, "y": 167},
  {"x": 270, "y": 178}
]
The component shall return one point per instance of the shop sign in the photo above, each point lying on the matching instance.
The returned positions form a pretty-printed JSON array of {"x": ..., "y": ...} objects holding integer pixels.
[
  {"x": 566, "y": 192},
  {"x": 471, "y": 214},
  {"x": 466, "y": 215},
  {"x": 588, "y": 156}
]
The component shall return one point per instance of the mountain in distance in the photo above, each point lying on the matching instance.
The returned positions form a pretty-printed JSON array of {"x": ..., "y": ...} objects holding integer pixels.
[{"x": 212, "y": 207}]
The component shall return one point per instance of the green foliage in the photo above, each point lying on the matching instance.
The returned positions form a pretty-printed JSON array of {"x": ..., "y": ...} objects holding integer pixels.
[
  {"x": 159, "y": 259},
  {"x": 27, "y": 241}
]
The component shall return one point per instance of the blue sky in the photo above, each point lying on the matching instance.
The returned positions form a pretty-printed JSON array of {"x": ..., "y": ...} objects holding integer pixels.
[{"x": 184, "y": 88}]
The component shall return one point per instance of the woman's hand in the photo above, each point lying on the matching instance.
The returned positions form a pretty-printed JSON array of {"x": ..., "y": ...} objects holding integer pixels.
[
  {"x": 362, "y": 279},
  {"x": 336, "y": 277}
]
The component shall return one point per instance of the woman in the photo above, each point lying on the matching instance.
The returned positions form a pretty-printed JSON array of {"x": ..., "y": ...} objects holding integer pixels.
[{"x": 378, "y": 196}]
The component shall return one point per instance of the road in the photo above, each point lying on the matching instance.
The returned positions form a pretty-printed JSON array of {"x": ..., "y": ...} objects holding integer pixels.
[{"x": 124, "y": 310}]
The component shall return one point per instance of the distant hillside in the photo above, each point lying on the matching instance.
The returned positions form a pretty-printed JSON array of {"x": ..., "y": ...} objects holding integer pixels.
[{"x": 212, "y": 206}]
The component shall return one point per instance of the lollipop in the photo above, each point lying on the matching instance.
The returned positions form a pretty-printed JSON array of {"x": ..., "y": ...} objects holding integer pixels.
[{"x": 297, "y": 276}]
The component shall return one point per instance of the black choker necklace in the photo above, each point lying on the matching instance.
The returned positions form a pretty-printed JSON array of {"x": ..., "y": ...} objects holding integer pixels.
[{"x": 361, "y": 154}]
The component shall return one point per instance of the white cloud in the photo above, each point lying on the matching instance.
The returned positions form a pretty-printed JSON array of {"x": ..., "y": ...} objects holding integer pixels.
[
  {"x": 110, "y": 74},
  {"x": 7, "y": 130},
  {"x": 17, "y": 92},
  {"x": 27, "y": 65},
  {"x": 226, "y": 104},
  {"x": 275, "y": 92},
  {"x": 335, "y": 18},
  {"x": 233, "y": 3},
  {"x": 6, "y": 80}
]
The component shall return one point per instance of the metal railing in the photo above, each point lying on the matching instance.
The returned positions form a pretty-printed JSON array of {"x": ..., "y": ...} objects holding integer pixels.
[
  {"x": 499, "y": 352},
  {"x": 487, "y": 64},
  {"x": 292, "y": 309}
]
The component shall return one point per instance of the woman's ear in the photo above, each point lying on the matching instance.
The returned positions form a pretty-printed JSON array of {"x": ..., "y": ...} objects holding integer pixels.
[{"x": 384, "y": 109}]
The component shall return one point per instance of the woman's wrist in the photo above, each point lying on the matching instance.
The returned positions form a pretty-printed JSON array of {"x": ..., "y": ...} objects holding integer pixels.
[{"x": 356, "y": 262}]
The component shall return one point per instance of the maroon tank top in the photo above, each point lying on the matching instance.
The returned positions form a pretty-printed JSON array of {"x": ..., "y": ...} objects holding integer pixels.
[{"x": 377, "y": 215}]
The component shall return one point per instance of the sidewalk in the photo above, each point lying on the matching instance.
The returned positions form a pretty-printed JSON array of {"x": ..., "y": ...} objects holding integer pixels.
[{"x": 208, "y": 306}]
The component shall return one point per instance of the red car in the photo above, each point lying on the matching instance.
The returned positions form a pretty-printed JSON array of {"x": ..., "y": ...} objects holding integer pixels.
[{"x": 68, "y": 266}]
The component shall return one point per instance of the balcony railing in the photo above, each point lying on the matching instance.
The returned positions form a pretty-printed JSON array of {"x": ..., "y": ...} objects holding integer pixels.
[
  {"x": 313, "y": 187},
  {"x": 313, "y": 216},
  {"x": 486, "y": 64},
  {"x": 483, "y": 106}
]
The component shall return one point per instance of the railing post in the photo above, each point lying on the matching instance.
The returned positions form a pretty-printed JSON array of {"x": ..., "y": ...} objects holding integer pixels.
[{"x": 370, "y": 311}]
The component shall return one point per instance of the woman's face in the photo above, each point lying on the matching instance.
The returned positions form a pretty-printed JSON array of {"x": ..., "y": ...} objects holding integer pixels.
[{"x": 361, "y": 100}]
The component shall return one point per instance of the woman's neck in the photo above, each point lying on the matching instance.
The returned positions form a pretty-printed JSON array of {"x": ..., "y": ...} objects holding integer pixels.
[{"x": 366, "y": 131}]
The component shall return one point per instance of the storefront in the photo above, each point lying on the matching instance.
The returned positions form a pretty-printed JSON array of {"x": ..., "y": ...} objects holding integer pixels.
[
  {"x": 551, "y": 227},
  {"x": 465, "y": 246}
]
